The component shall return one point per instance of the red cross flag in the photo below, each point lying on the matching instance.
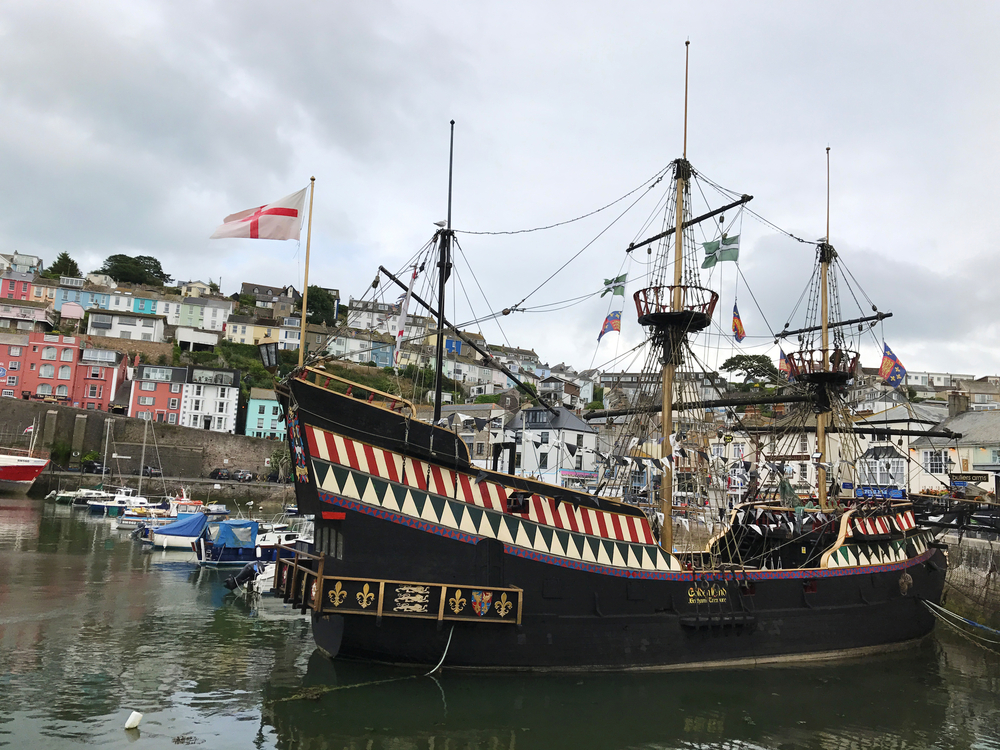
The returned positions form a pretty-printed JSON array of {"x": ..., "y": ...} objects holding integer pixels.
[{"x": 281, "y": 220}]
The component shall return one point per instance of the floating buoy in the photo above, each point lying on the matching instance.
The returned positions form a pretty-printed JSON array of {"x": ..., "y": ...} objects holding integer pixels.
[{"x": 133, "y": 720}]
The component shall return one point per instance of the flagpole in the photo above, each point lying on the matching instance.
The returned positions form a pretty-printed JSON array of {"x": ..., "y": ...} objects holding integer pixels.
[{"x": 305, "y": 281}]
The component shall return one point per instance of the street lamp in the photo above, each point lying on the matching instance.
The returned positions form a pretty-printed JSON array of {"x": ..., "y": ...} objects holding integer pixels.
[{"x": 269, "y": 355}]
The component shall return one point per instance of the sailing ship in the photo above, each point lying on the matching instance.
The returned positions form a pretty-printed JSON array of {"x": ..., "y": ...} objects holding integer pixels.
[{"x": 422, "y": 557}]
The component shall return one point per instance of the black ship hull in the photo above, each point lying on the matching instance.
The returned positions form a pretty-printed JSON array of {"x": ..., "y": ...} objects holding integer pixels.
[{"x": 399, "y": 508}]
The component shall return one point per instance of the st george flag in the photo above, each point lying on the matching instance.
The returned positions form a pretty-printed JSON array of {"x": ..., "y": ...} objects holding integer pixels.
[
  {"x": 892, "y": 370},
  {"x": 738, "y": 331},
  {"x": 613, "y": 322},
  {"x": 281, "y": 220}
]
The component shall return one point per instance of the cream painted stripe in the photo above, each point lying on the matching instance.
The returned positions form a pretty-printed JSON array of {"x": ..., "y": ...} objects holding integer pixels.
[
  {"x": 547, "y": 518},
  {"x": 359, "y": 451},
  {"x": 319, "y": 437},
  {"x": 380, "y": 469},
  {"x": 338, "y": 441}
]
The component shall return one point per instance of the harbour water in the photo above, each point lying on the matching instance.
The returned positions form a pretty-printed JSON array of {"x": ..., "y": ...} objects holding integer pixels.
[{"x": 92, "y": 628}]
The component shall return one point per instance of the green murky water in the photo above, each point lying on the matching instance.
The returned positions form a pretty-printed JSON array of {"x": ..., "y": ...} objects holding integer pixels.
[{"x": 92, "y": 627}]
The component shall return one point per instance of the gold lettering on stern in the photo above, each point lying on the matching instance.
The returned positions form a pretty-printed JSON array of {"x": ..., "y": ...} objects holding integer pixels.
[
  {"x": 712, "y": 595},
  {"x": 457, "y": 603}
]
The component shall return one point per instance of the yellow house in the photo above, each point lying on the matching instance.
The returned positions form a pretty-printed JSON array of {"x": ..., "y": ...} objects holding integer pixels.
[{"x": 242, "y": 329}]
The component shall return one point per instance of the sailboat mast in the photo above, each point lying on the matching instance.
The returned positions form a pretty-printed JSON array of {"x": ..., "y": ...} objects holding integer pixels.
[
  {"x": 669, "y": 368},
  {"x": 444, "y": 264},
  {"x": 824, "y": 265},
  {"x": 305, "y": 280},
  {"x": 142, "y": 461}
]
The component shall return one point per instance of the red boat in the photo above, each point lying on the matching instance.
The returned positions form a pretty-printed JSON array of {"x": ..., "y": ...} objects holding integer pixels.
[{"x": 19, "y": 470}]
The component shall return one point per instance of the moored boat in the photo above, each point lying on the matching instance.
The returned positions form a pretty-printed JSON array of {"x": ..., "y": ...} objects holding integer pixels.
[{"x": 19, "y": 470}]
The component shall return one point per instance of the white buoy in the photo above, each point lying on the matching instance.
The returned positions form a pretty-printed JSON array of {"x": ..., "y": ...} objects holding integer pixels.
[{"x": 133, "y": 720}]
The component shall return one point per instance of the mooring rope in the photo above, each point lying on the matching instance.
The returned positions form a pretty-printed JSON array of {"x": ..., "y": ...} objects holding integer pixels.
[
  {"x": 945, "y": 616},
  {"x": 313, "y": 693}
]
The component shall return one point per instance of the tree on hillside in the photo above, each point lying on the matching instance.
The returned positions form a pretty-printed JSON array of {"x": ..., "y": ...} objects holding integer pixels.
[
  {"x": 752, "y": 366},
  {"x": 64, "y": 266},
  {"x": 142, "y": 269},
  {"x": 322, "y": 306}
]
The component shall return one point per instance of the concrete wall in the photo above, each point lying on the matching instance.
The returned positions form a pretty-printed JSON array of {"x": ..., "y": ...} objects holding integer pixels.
[{"x": 183, "y": 451}]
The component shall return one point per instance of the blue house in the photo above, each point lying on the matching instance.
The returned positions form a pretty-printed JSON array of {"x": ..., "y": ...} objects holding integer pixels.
[
  {"x": 265, "y": 418},
  {"x": 73, "y": 290}
]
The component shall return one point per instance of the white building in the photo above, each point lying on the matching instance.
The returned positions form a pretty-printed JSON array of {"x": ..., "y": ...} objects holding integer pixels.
[
  {"x": 210, "y": 399},
  {"x": 138, "y": 326},
  {"x": 559, "y": 449}
]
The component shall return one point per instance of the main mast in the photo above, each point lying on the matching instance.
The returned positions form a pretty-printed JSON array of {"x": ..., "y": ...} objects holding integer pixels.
[
  {"x": 825, "y": 255},
  {"x": 444, "y": 268}
]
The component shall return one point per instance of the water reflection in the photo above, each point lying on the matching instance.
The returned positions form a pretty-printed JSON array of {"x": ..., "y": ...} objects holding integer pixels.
[{"x": 92, "y": 627}]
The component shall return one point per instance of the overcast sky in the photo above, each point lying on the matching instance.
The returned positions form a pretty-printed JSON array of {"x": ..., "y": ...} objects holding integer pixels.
[{"x": 135, "y": 127}]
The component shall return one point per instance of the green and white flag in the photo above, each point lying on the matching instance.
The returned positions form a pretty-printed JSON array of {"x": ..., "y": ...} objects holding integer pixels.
[
  {"x": 728, "y": 248},
  {"x": 615, "y": 286}
]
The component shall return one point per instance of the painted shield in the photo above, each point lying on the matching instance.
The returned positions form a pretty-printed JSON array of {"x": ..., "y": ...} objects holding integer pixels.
[{"x": 481, "y": 602}]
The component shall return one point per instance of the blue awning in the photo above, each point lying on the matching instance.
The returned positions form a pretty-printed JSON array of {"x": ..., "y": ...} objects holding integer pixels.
[
  {"x": 238, "y": 534},
  {"x": 191, "y": 526}
]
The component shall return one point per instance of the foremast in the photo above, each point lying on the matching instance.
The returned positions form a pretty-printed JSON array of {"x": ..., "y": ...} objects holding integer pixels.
[{"x": 825, "y": 256}]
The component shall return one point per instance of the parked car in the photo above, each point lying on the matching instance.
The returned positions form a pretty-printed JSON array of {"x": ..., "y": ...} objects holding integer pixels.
[
  {"x": 242, "y": 475},
  {"x": 151, "y": 471},
  {"x": 219, "y": 474},
  {"x": 273, "y": 477},
  {"x": 95, "y": 467}
]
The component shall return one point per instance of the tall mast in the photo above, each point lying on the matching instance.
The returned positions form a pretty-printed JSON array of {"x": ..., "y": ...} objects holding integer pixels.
[
  {"x": 444, "y": 266},
  {"x": 676, "y": 304},
  {"x": 305, "y": 281},
  {"x": 824, "y": 265}
]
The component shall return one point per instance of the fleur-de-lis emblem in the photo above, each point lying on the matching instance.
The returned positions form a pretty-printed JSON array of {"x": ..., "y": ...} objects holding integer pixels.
[
  {"x": 457, "y": 603},
  {"x": 338, "y": 594},
  {"x": 365, "y": 597},
  {"x": 503, "y": 606}
]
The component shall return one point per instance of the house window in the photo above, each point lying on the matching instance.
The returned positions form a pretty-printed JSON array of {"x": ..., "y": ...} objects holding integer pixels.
[
  {"x": 274, "y": 410},
  {"x": 543, "y": 460},
  {"x": 7, "y": 394},
  {"x": 174, "y": 403},
  {"x": 47, "y": 371},
  {"x": 147, "y": 323},
  {"x": 147, "y": 337},
  {"x": 260, "y": 424},
  {"x": 64, "y": 371},
  {"x": 125, "y": 335},
  {"x": 220, "y": 407},
  {"x": 95, "y": 391},
  {"x": 934, "y": 462},
  {"x": 175, "y": 387},
  {"x": 517, "y": 460},
  {"x": 62, "y": 390},
  {"x": 197, "y": 390},
  {"x": 579, "y": 461},
  {"x": 126, "y": 321},
  {"x": 14, "y": 365},
  {"x": 544, "y": 436},
  {"x": 15, "y": 351},
  {"x": 579, "y": 441},
  {"x": 95, "y": 372},
  {"x": 67, "y": 355},
  {"x": 147, "y": 386},
  {"x": 49, "y": 352},
  {"x": 171, "y": 419},
  {"x": 803, "y": 443},
  {"x": 44, "y": 389},
  {"x": 196, "y": 405},
  {"x": 803, "y": 472},
  {"x": 480, "y": 449},
  {"x": 260, "y": 409},
  {"x": 146, "y": 401},
  {"x": 12, "y": 380}
]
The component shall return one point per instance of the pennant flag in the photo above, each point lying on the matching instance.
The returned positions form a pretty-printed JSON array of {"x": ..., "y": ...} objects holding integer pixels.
[
  {"x": 29, "y": 429},
  {"x": 401, "y": 321},
  {"x": 727, "y": 248},
  {"x": 892, "y": 370},
  {"x": 572, "y": 450},
  {"x": 615, "y": 286},
  {"x": 738, "y": 331},
  {"x": 611, "y": 323},
  {"x": 281, "y": 220},
  {"x": 480, "y": 424},
  {"x": 785, "y": 367}
]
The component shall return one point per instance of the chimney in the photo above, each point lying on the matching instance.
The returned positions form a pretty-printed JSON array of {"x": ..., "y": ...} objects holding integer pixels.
[{"x": 957, "y": 403}]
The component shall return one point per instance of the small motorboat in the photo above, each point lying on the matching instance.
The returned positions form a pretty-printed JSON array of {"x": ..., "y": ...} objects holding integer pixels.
[
  {"x": 238, "y": 542},
  {"x": 179, "y": 534}
]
